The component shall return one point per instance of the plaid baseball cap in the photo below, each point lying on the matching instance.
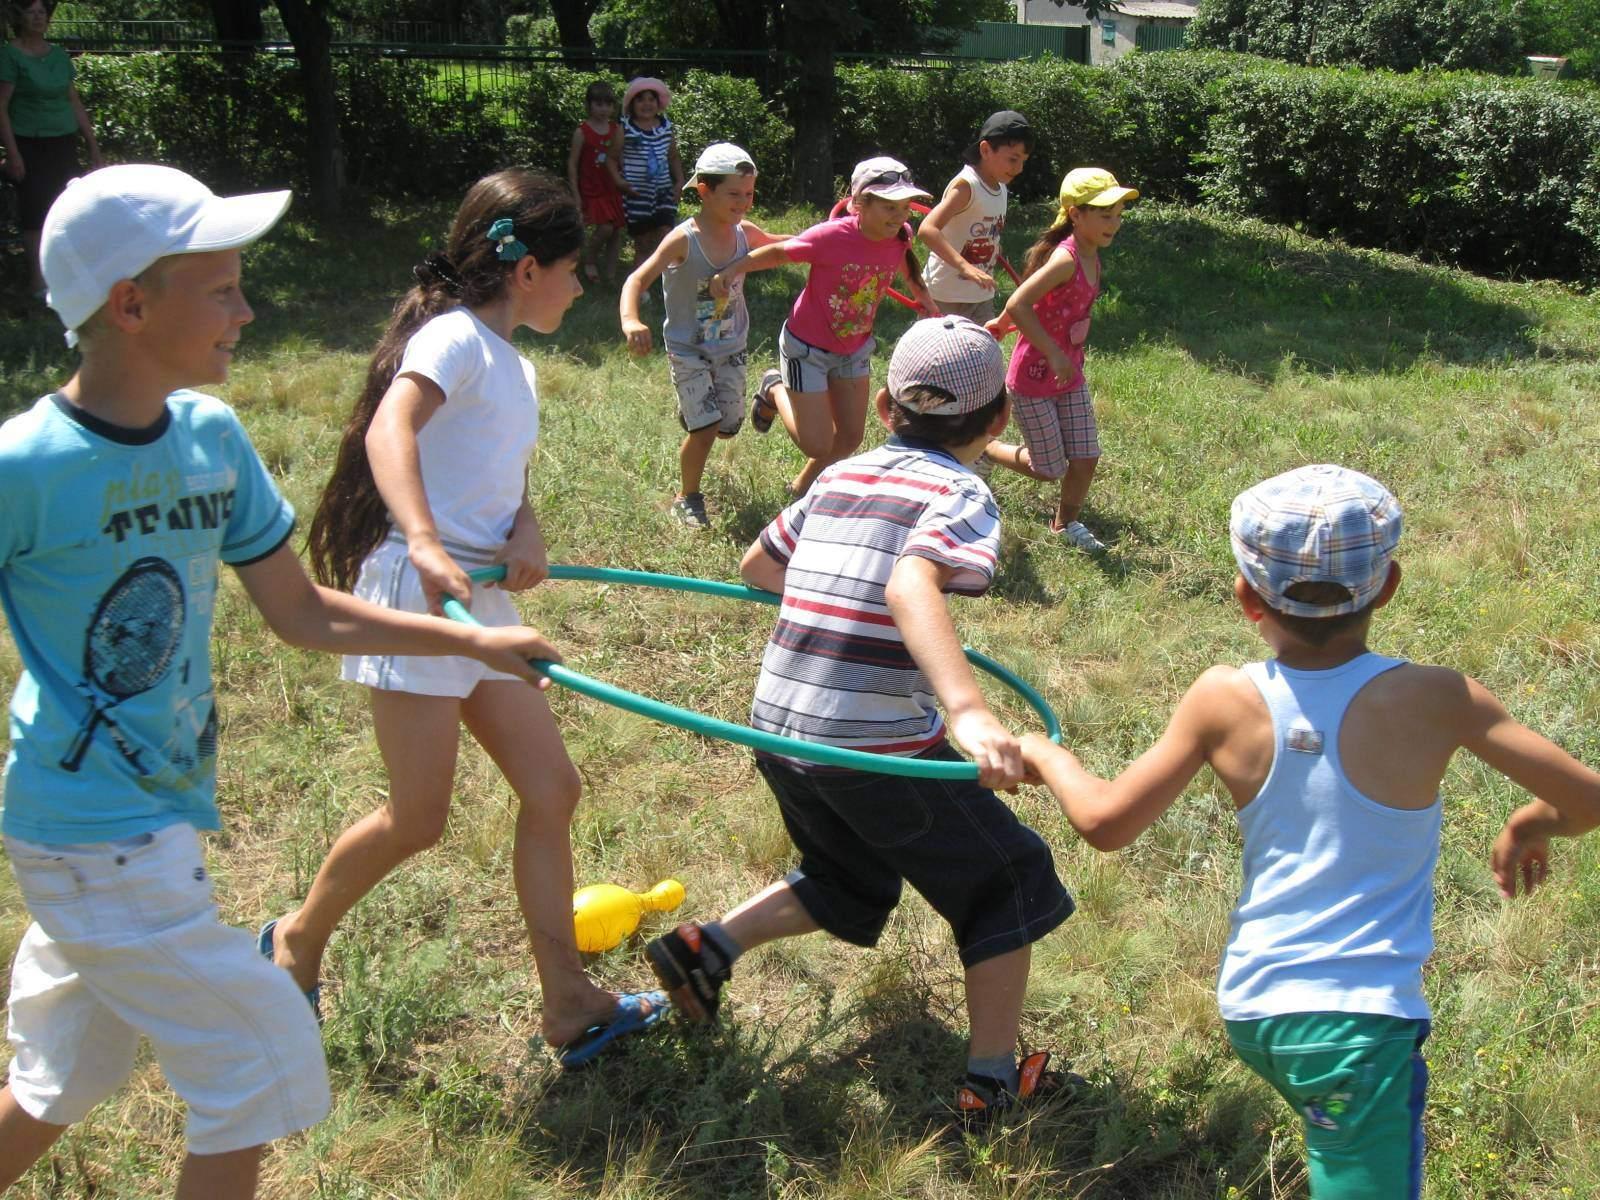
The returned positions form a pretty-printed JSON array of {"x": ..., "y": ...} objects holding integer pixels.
[
  {"x": 1317, "y": 524},
  {"x": 953, "y": 354}
]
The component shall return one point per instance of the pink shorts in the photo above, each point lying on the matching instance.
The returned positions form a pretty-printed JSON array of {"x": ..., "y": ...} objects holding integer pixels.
[{"x": 1057, "y": 428}]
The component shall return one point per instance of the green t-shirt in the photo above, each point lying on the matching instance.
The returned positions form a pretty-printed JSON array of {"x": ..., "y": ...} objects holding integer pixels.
[{"x": 41, "y": 106}]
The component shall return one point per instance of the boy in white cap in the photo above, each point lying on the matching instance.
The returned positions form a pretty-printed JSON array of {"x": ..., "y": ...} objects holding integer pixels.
[
  {"x": 123, "y": 492},
  {"x": 1333, "y": 756},
  {"x": 863, "y": 653},
  {"x": 825, "y": 347},
  {"x": 705, "y": 336}
]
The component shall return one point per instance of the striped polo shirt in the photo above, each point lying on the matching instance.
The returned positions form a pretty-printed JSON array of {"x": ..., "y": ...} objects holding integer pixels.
[{"x": 836, "y": 669}]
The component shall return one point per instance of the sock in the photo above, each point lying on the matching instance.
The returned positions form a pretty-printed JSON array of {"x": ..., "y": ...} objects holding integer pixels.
[
  {"x": 997, "y": 1066},
  {"x": 721, "y": 946}
]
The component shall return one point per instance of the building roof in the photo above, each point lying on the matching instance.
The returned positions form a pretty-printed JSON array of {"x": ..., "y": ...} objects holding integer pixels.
[{"x": 1179, "y": 9}]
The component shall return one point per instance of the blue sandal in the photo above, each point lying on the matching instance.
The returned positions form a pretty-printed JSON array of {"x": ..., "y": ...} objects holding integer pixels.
[
  {"x": 636, "y": 1012},
  {"x": 264, "y": 944}
]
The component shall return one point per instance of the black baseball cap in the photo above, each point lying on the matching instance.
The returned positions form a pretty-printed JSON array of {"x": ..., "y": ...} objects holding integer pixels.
[{"x": 1005, "y": 124}]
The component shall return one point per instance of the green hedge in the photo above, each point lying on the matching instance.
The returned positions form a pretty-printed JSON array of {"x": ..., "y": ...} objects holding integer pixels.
[{"x": 1491, "y": 173}]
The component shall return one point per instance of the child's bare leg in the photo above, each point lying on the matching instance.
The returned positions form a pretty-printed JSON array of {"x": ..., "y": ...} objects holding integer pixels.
[
  {"x": 417, "y": 738},
  {"x": 644, "y": 244},
  {"x": 22, "y": 1139},
  {"x": 230, "y": 1176},
  {"x": 847, "y": 418},
  {"x": 995, "y": 990},
  {"x": 773, "y": 914},
  {"x": 592, "y": 249},
  {"x": 514, "y": 725},
  {"x": 692, "y": 455},
  {"x": 612, "y": 252},
  {"x": 1016, "y": 458},
  {"x": 1074, "y": 488}
]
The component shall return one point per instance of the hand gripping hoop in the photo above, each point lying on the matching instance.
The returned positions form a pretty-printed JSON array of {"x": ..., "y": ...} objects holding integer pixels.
[
  {"x": 920, "y": 209},
  {"x": 744, "y": 735}
]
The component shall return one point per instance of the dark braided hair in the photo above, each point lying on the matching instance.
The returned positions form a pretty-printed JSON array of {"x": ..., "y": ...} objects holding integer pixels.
[{"x": 351, "y": 517}]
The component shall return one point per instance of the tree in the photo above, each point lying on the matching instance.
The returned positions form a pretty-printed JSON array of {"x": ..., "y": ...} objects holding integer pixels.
[{"x": 309, "y": 31}]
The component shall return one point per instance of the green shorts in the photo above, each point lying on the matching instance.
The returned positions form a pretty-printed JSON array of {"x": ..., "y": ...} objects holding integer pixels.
[{"x": 1358, "y": 1082}]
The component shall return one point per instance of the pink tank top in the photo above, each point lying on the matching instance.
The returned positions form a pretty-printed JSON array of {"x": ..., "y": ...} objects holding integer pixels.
[{"x": 1064, "y": 313}]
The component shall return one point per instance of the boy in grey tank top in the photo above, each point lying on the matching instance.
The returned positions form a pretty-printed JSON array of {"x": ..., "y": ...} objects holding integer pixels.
[
  {"x": 705, "y": 337},
  {"x": 1329, "y": 745}
]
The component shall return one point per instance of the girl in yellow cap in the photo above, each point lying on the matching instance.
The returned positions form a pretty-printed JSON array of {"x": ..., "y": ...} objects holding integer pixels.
[{"x": 1050, "y": 309}]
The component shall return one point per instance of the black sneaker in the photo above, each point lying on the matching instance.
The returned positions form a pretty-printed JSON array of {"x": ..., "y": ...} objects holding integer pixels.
[
  {"x": 691, "y": 511},
  {"x": 981, "y": 1100},
  {"x": 679, "y": 960}
]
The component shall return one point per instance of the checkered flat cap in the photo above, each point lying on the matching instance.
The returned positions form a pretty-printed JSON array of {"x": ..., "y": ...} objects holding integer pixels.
[
  {"x": 1317, "y": 524},
  {"x": 953, "y": 354}
]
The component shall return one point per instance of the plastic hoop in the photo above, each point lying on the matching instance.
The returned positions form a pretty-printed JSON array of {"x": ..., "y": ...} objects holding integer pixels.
[
  {"x": 744, "y": 735},
  {"x": 924, "y": 210}
]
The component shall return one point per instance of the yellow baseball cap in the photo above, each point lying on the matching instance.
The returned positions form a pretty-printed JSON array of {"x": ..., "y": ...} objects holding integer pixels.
[{"x": 1093, "y": 186}]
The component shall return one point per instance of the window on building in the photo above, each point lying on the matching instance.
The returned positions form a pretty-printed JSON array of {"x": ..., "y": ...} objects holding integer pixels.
[{"x": 1108, "y": 32}]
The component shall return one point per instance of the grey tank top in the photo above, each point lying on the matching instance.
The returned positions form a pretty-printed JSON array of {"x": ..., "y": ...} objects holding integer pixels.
[{"x": 697, "y": 322}]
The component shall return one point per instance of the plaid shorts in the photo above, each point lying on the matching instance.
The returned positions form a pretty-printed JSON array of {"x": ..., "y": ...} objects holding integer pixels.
[
  {"x": 861, "y": 834},
  {"x": 1057, "y": 428}
]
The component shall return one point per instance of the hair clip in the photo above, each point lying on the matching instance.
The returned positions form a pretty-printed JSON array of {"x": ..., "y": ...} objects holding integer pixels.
[{"x": 503, "y": 232}]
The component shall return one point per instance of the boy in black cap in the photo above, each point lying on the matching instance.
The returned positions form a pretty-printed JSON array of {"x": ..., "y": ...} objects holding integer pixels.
[{"x": 963, "y": 231}]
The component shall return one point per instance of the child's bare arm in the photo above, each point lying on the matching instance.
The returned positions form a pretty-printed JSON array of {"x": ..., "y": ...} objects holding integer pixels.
[
  {"x": 756, "y": 237},
  {"x": 1111, "y": 815},
  {"x": 931, "y": 233},
  {"x": 760, "y": 570},
  {"x": 319, "y": 618},
  {"x": 671, "y": 252},
  {"x": 614, "y": 161},
  {"x": 915, "y": 596},
  {"x": 574, "y": 156},
  {"x": 1567, "y": 793},
  {"x": 675, "y": 164},
  {"x": 771, "y": 255}
]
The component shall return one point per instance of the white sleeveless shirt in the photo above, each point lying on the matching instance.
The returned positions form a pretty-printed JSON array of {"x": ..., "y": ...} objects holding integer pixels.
[
  {"x": 1336, "y": 913},
  {"x": 975, "y": 234}
]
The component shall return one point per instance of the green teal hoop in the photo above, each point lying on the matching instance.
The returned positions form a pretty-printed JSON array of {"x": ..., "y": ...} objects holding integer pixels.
[{"x": 744, "y": 735}]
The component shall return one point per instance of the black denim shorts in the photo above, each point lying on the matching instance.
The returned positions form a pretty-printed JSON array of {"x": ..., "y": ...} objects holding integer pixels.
[{"x": 862, "y": 834}]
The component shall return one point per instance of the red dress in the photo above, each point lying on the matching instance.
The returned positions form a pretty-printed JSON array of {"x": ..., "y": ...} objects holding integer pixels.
[{"x": 602, "y": 203}]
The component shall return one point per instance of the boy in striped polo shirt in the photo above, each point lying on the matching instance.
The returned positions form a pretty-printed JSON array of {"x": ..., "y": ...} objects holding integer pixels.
[{"x": 863, "y": 654}]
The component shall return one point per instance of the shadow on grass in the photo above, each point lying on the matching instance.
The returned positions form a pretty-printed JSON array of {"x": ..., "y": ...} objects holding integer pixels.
[{"x": 1248, "y": 298}]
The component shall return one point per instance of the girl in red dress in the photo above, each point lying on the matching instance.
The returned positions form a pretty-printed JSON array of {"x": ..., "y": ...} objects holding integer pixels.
[{"x": 592, "y": 184}]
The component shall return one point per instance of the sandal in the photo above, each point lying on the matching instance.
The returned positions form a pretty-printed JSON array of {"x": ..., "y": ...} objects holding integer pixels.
[
  {"x": 981, "y": 1101},
  {"x": 636, "y": 1012},
  {"x": 679, "y": 961},
  {"x": 591, "y": 273},
  {"x": 313, "y": 994},
  {"x": 762, "y": 409}
]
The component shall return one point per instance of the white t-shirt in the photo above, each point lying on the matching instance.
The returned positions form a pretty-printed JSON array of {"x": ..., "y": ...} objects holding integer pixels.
[
  {"x": 475, "y": 449},
  {"x": 975, "y": 234}
]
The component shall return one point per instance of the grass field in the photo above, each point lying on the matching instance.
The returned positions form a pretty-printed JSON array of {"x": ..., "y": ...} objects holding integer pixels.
[{"x": 1223, "y": 351}]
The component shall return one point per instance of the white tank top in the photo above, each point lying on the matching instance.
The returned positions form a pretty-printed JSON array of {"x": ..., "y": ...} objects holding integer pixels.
[
  {"x": 975, "y": 234},
  {"x": 1336, "y": 913}
]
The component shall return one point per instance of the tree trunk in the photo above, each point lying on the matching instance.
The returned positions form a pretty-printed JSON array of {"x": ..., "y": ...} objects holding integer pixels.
[
  {"x": 572, "y": 24},
  {"x": 307, "y": 23},
  {"x": 811, "y": 109},
  {"x": 239, "y": 30}
]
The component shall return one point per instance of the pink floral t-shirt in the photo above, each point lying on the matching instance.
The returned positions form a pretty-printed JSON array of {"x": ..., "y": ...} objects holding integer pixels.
[
  {"x": 1064, "y": 313},
  {"x": 850, "y": 274}
]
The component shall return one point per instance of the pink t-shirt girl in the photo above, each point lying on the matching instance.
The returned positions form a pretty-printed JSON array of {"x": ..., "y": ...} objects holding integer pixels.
[
  {"x": 1064, "y": 313},
  {"x": 850, "y": 274}
]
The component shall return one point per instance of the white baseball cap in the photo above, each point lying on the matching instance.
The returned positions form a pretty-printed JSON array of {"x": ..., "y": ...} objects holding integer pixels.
[
  {"x": 886, "y": 177},
  {"x": 113, "y": 223},
  {"x": 721, "y": 158},
  {"x": 957, "y": 356}
]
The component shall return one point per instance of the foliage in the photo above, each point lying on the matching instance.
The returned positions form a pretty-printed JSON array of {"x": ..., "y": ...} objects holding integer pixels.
[
  {"x": 1402, "y": 35},
  {"x": 1570, "y": 28}
]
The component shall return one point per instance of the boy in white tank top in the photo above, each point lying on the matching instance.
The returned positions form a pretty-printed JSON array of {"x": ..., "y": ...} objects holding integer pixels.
[
  {"x": 1333, "y": 756},
  {"x": 963, "y": 230}
]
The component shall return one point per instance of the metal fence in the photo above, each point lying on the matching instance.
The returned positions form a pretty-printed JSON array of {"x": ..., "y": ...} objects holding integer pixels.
[{"x": 1161, "y": 37}]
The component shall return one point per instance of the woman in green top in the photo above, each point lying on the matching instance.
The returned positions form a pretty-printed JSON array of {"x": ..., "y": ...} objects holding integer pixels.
[{"x": 40, "y": 119}]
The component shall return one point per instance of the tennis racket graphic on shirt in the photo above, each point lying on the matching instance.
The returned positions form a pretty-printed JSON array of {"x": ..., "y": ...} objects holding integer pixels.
[{"x": 129, "y": 648}]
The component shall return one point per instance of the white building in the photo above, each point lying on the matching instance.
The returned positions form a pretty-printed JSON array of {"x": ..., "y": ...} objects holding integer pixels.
[{"x": 1114, "y": 34}]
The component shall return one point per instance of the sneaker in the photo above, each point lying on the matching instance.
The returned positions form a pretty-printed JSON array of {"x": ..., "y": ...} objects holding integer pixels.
[
  {"x": 691, "y": 511},
  {"x": 680, "y": 962},
  {"x": 982, "y": 1100},
  {"x": 1076, "y": 533},
  {"x": 762, "y": 409}
]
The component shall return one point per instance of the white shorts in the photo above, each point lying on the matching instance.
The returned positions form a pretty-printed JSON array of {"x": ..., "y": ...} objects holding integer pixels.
[
  {"x": 126, "y": 942},
  {"x": 710, "y": 390},
  {"x": 388, "y": 578}
]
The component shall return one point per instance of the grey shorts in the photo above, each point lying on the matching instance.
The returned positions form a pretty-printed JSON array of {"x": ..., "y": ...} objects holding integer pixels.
[
  {"x": 807, "y": 368},
  {"x": 710, "y": 390},
  {"x": 981, "y": 311}
]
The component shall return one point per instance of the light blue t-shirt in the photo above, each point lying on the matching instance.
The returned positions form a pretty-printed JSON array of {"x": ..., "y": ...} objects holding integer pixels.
[{"x": 109, "y": 545}]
